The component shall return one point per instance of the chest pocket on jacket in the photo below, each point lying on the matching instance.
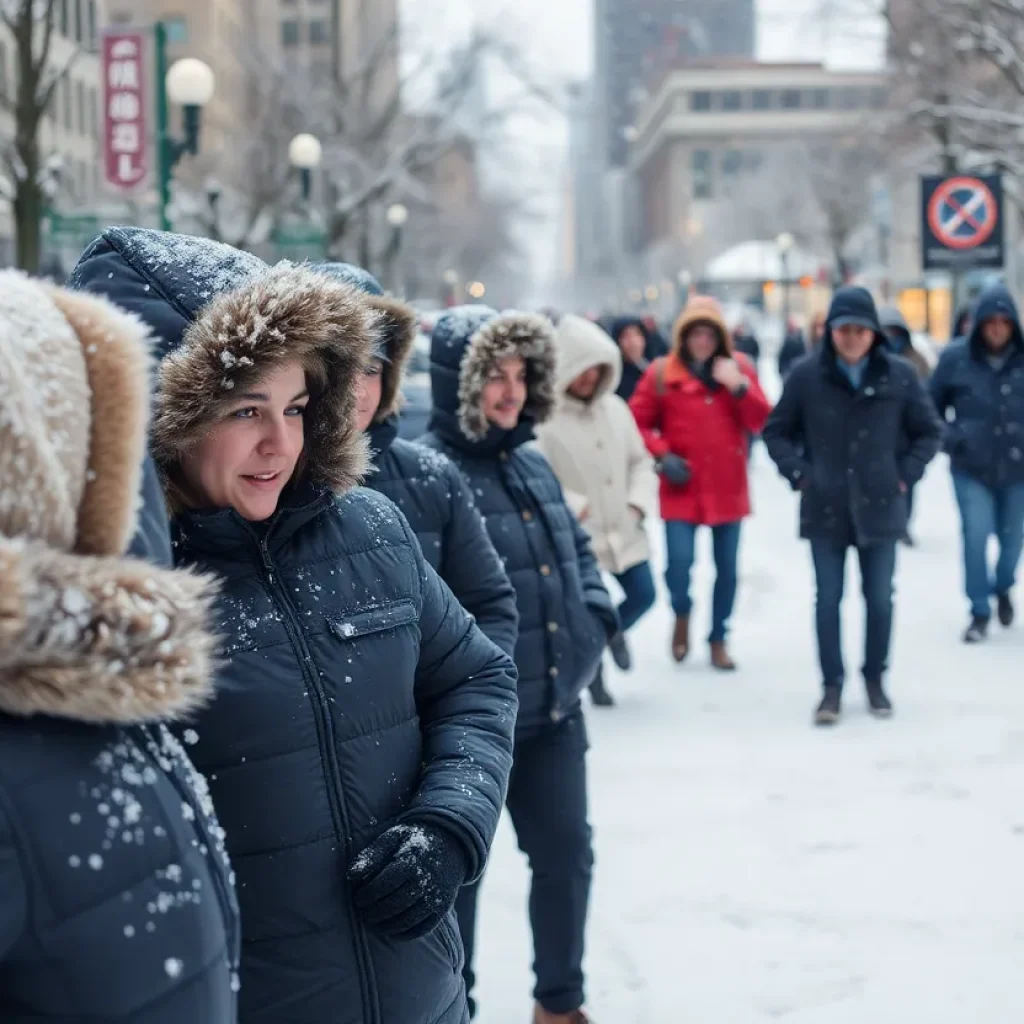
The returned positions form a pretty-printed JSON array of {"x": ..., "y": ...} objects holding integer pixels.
[{"x": 373, "y": 620}]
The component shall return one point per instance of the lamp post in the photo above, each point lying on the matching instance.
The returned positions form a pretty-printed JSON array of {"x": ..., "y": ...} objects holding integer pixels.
[
  {"x": 397, "y": 215},
  {"x": 305, "y": 154},
  {"x": 451, "y": 284},
  {"x": 189, "y": 83},
  {"x": 785, "y": 243},
  {"x": 214, "y": 191}
]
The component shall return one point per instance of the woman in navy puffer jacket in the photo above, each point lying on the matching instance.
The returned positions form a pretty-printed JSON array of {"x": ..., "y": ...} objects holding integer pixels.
[{"x": 359, "y": 746}]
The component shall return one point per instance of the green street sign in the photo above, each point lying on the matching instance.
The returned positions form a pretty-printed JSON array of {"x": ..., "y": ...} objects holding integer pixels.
[
  {"x": 298, "y": 242},
  {"x": 71, "y": 230}
]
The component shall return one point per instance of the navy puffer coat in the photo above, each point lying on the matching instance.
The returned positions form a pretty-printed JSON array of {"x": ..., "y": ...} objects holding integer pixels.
[
  {"x": 427, "y": 486},
  {"x": 984, "y": 398},
  {"x": 357, "y": 694},
  {"x": 565, "y": 613}
]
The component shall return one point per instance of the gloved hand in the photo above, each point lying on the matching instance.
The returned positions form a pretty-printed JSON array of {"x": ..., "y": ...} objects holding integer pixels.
[
  {"x": 407, "y": 879},
  {"x": 675, "y": 469}
]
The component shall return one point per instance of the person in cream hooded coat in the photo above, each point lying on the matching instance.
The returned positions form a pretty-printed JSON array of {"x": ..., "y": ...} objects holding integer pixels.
[{"x": 605, "y": 470}]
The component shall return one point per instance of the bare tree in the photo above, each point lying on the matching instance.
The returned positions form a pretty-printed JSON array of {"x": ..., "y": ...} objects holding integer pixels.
[{"x": 29, "y": 173}]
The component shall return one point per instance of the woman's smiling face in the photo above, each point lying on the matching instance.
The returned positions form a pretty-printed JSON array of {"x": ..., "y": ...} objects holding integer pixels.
[{"x": 248, "y": 456}]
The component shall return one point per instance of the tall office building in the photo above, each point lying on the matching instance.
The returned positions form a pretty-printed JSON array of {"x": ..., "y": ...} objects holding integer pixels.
[{"x": 637, "y": 39}]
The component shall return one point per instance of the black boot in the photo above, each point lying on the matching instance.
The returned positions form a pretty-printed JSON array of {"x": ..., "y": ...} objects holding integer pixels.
[
  {"x": 599, "y": 694},
  {"x": 1006, "y": 611},
  {"x": 977, "y": 631},
  {"x": 878, "y": 702},
  {"x": 620, "y": 652},
  {"x": 830, "y": 707}
]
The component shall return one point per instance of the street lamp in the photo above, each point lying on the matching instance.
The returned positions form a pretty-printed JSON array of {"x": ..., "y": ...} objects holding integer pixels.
[
  {"x": 785, "y": 243},
  {"x": 476, "y": 289},
  {"x": 305, "y": 154},
  {"x": 190, "y": 84},
  {"x": 214, "y": 190},
  {"x": 397, "y": 214}
]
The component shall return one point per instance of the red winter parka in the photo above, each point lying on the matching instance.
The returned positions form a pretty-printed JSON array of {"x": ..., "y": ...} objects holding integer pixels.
[{"x": 703, "y": 423}]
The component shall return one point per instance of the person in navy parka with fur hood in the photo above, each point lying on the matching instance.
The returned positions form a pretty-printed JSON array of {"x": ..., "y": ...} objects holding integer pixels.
[
  {"x": 360, "y": 741},
  {"x": 493, "y": 378},
  {"x": 425, "y": 485}
]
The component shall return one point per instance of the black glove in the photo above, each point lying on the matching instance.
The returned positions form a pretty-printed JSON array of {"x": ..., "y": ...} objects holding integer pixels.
[
  {"x": 407, "y": 879},
  {"x": 675, "y": 469}
]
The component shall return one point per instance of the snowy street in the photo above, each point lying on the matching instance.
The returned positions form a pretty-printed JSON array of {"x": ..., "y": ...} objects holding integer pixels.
[{"x": 752, "y": 868}]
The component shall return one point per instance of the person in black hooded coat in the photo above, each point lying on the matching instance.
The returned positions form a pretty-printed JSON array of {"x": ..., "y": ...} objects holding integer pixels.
[
  {"x": 423, "y": 483},
  {"x": 639, "y": 347},
  {"x": 493, "y": 378},
  {"x": 359, "y": 745}
]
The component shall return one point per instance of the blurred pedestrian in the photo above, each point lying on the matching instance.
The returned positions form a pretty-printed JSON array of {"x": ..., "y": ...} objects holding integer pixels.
[
  {"x": 745, "y": 340},
  {"x": 901, "y": 343},
  {"x": 638, "y": 347},
  {"x": 606, "y": 473},
  {"x": 696, "y": 409},
  {"x": 493, "y": 381},
  {"x": 978, "y": 386},
  {"x": 116, "y": 900},
  {"x": 793, "y": 349},
  {"x": 853, "y": 432}
]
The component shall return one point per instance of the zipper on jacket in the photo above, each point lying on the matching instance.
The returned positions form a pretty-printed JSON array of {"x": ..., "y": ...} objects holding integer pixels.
[{"x": 325, "y": 735}]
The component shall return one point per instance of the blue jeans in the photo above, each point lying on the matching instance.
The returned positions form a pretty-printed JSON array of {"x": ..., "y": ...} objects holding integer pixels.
[
  {"x": 638, "y": 587},
  {"x": 877, "y": 566},
  {"x": 985, "y": 511},
  {"x": 680, "y": 539}
]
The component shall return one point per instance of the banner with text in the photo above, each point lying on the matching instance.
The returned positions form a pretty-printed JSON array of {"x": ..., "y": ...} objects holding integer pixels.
[{"x": 126, "y": 159}]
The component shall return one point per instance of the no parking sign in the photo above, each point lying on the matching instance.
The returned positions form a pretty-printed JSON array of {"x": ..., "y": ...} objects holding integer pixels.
[{"x": 962, "y": 222}]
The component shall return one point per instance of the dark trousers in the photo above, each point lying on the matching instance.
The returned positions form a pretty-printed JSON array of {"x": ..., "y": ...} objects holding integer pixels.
[
  {"x": 877, "y": 566},
  {"x": 638, "y": 589},
  {"x": 547, "y": 801}
]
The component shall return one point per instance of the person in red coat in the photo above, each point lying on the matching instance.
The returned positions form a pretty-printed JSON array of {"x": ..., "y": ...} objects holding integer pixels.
[{"x": 697, "y": 409}]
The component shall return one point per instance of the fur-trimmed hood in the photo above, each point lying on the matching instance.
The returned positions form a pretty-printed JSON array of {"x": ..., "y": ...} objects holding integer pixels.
[
  {"x": 702, "y": 309},
  {"x": 466, "y": 344},
  {"x": 397, "y": 331},
  {"x": 84, "y": 633},
  {"x": 580, "y": 345},
  {"x": 291, "y": 313}
]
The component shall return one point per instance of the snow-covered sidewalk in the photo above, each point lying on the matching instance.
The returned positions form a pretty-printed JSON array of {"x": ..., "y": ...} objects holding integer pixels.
[{"x": 751, "y": 868}]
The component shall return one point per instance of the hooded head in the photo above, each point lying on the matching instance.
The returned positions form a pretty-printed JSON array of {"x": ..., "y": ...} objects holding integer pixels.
[
  {"x": 580, "y": 347},
  {"x": 701, "y": 310},
  {"x": 627, "y": 332},
  {"x": 852, "y": 306},
  {"x": 894, "y": 327},
  {"x": 84, "y": 634},
  {"x": 995, "y": 303},
  {"x": 467, "y": 345},
  {"x": 399, "y": 326},
  {"x": 291, "y": 317}
]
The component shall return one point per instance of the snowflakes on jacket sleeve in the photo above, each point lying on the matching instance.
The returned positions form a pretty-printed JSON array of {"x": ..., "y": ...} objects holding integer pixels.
[{"x": 466, "y": 697}]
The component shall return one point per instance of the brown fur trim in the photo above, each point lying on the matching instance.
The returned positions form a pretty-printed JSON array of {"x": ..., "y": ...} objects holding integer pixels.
[
  {"x": 399, "y": 326},
  {"x": 291, "y": 313},
  {"x": 104, "y": 640},
  {"x": 115, "y": 345},
  {"x": 702, "y": 309},
  {"x": 506, "y": 336}
]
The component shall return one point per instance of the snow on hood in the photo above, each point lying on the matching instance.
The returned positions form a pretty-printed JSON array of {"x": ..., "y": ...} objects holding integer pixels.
[{"x": 580, "y": 345}]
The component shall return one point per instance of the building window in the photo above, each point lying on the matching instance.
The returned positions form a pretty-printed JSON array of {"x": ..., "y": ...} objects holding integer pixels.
[
  {"x": 700, "y": 101},
  {"x": 80, "y": 109},
  {"x": 176, "y": 29},
  {"x": 763, "y": 99},
  {"x": 791, "y": 99},
  {"x": 79, "y": 23},
  {"x": 732, "y": 162},
  {"x": 850, "y": 98},
  {"x": 3, "y": 69},
  {"x": 67, "y": 103},
  {"x": 879, "y": 98},
  {"x": 94, "y": 112},
  {"x": 290, "y": 32},
  {"x": 90, "y": 8},
  {"x": 318, "y": 32},
  {"x": 732, "y": 99},
  {"x": 821, "y": 99},
  {"x": 65, "y": 18},
  {"x": 702, "y": 164}
]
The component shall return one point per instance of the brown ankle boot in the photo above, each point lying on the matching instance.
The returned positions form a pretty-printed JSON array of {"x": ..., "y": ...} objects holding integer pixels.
[
  {"x": 681, "y": 638},
  {"x": 541, "y": 1016},
  {"x": 720, "y": 657}
]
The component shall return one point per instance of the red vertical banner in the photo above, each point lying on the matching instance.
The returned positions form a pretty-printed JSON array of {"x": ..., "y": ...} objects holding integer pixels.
[{"x": 124, "y": 109}]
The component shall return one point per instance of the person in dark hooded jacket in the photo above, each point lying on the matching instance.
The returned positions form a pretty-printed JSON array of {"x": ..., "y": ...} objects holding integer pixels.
[
  {"x": 359, "y": 745},
  {"x": 493, "y": 379},
  {"x": 793, "y": 349},
  {"x": 116, "y": 899},
  {"x": 853, "y": 432},
  {"x": 423, "y": 483},
  {"x": 639, "y": 347},
  {"x": 978, "y": 386}
]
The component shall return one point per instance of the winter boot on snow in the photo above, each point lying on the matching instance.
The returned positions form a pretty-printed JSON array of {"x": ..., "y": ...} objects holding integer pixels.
[
  {"x": 599, "y": 692},
  {"x": 720, "y": 657},
  {"x": 541, "y": 1016},
  {"x": 830, "y": 707},
  {"x": 977, "y": 631},
  {"x": 620, "y": 652},
  {"x": 681, "y": 638},
  {"x": 1006, "y": 610},
  {"x": 878, "y": 702}
]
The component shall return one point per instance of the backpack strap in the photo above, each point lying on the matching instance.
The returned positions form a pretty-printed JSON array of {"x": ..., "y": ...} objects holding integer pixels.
[{"x": 659, "y": 375}]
